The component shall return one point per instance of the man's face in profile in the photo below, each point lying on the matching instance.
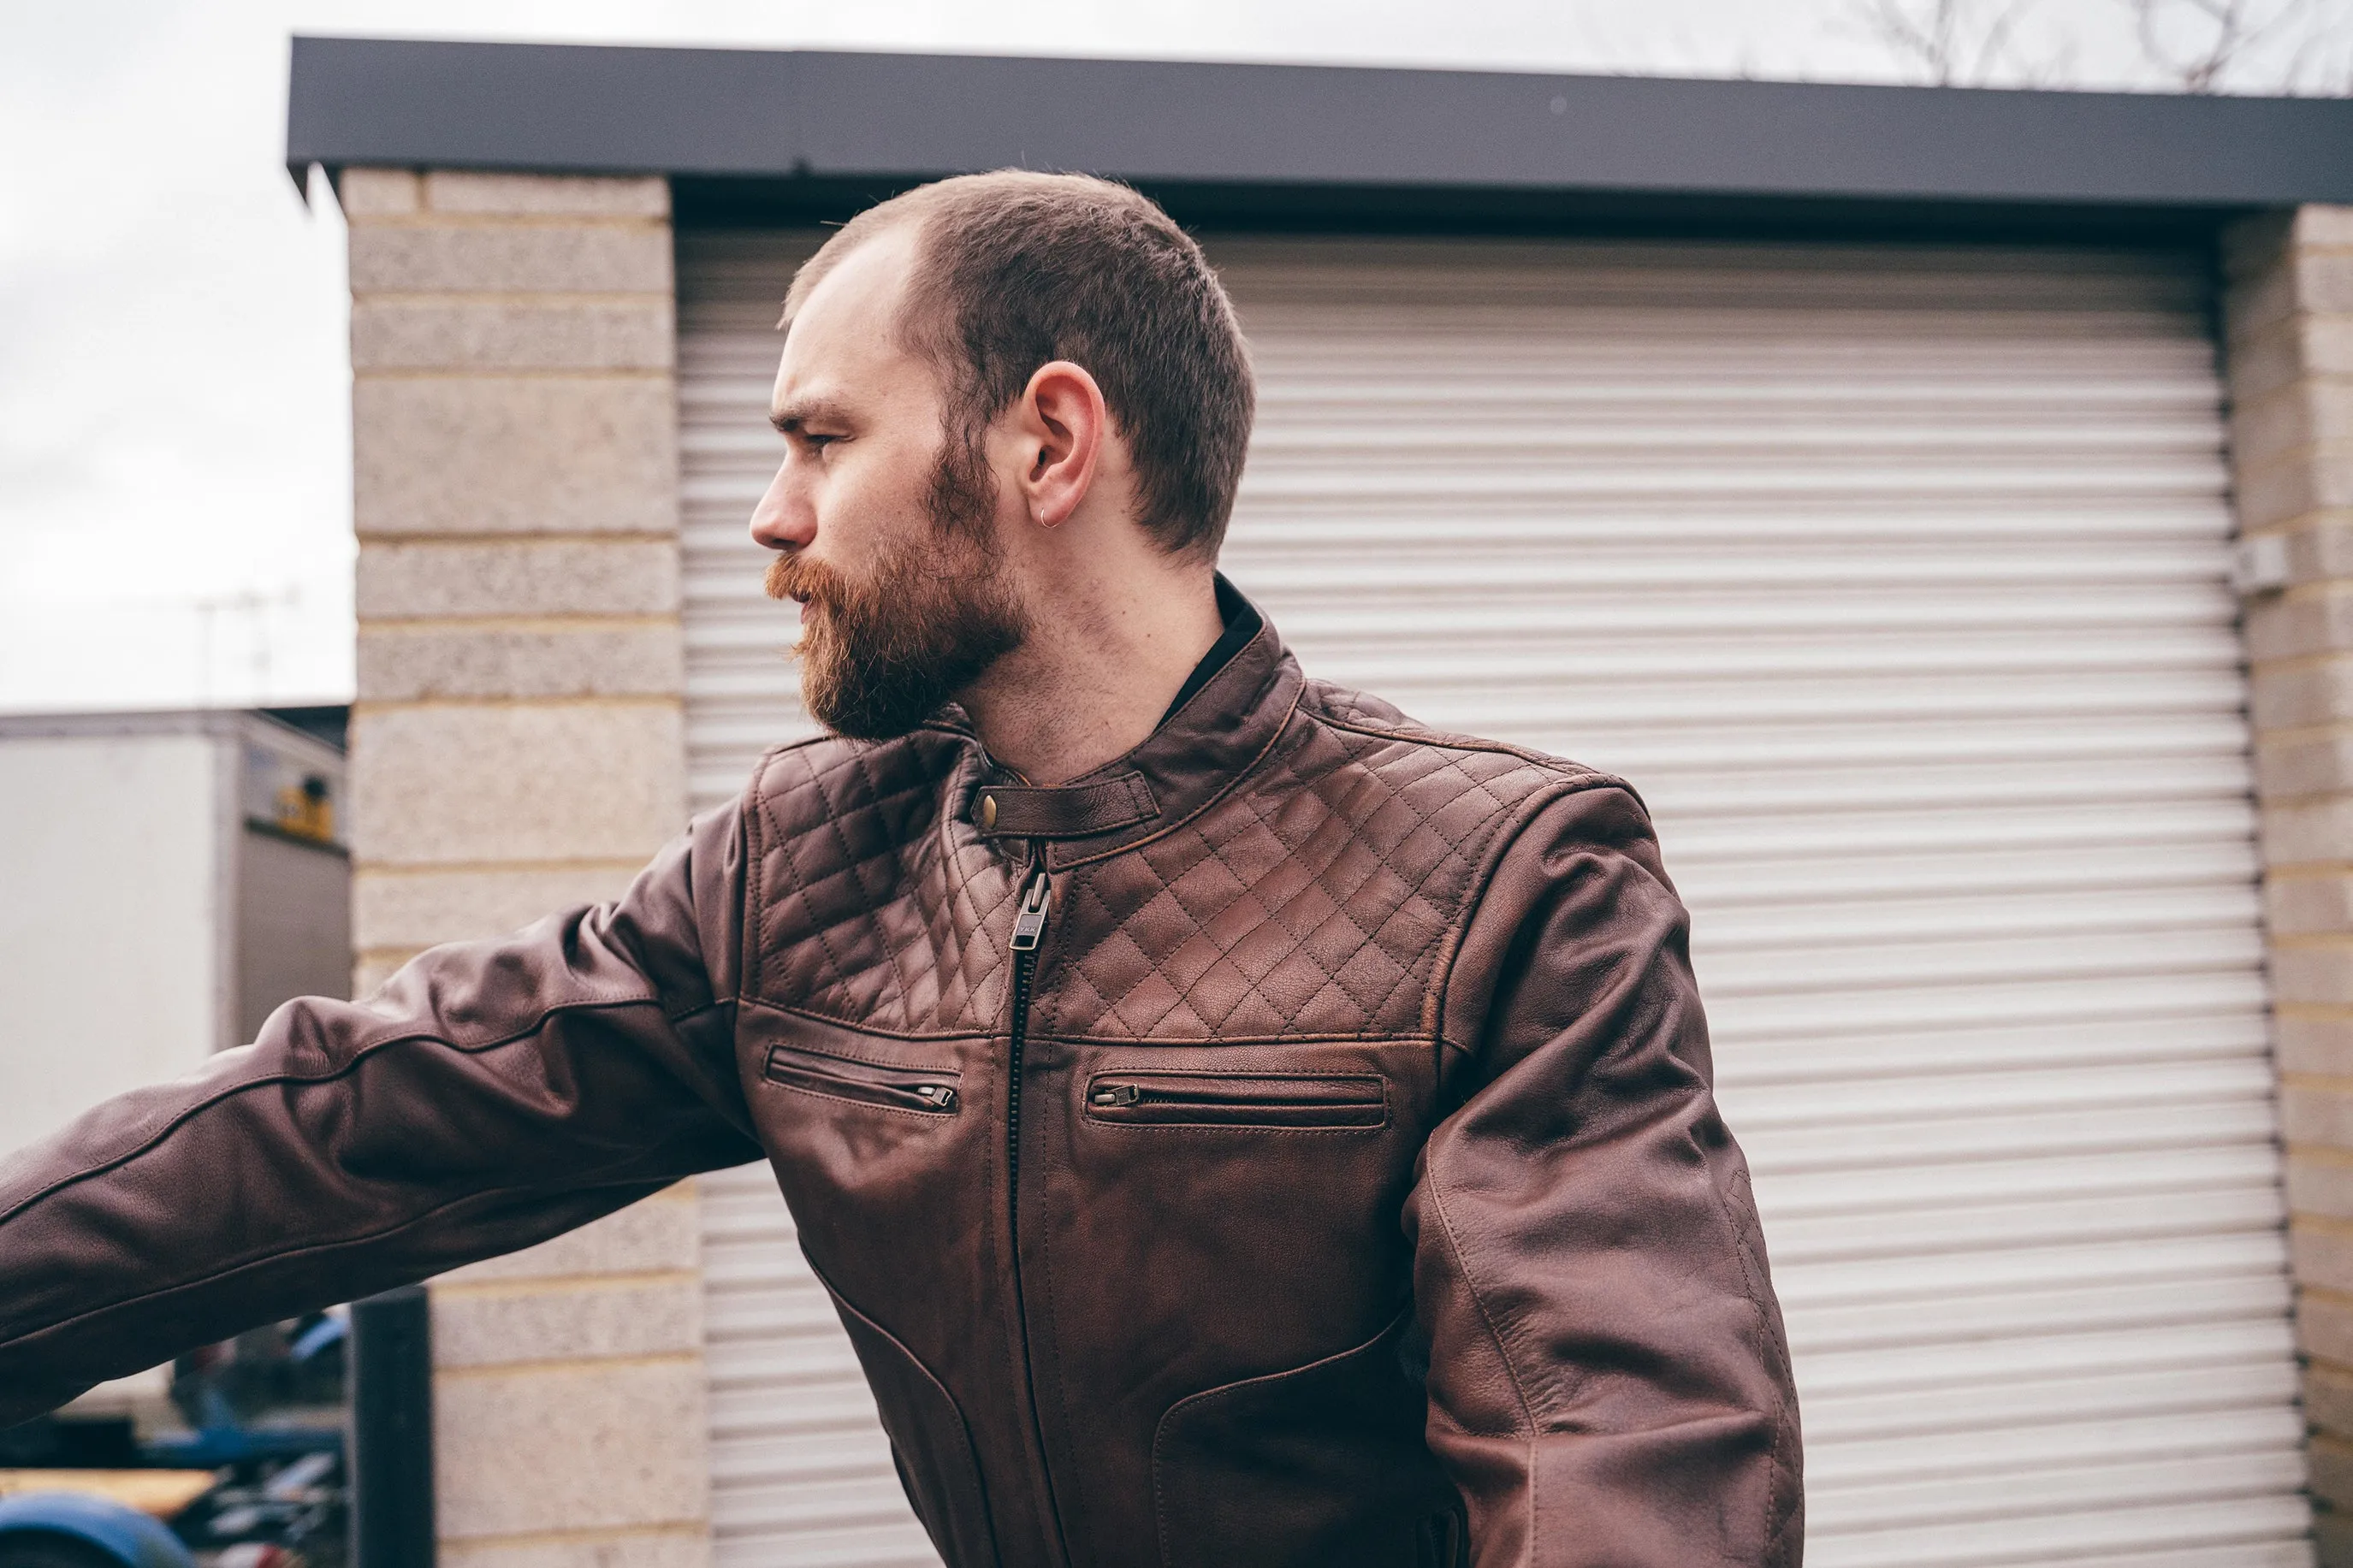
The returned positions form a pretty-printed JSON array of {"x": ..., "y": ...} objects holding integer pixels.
[{"x": 885, "y": 512}]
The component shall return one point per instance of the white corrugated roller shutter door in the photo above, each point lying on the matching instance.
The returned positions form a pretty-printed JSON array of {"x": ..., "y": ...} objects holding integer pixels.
[{"x": 1894, "y": 577}]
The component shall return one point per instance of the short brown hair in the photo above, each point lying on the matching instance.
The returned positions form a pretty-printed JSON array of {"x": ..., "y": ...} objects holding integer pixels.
[{"x": 1016, "y": 270}]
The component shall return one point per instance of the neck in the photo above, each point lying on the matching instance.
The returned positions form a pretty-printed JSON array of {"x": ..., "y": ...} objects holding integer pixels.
[{"x": 1104, "y": 656}]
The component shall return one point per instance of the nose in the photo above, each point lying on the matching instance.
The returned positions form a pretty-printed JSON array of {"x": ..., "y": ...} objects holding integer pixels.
[{"x": 784, "y": 519}]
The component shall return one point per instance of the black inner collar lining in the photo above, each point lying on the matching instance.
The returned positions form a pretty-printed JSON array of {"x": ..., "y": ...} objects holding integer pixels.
[{"x": 1242, "y": 621}]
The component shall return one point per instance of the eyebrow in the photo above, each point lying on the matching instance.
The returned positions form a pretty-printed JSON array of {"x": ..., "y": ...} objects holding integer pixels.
[{"x": 807, "y": 410}]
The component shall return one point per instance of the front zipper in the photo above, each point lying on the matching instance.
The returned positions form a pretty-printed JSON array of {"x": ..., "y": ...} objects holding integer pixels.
[
  {"x": 1028, "y": 930},
  {"x": 1237, "y": 1100},
  {"x": 1029, "y": 927},
  {"x": 871, "y": 1083}
]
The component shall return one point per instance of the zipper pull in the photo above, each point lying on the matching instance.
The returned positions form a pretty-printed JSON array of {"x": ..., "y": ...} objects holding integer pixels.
[
  {"x": 1117, "y": 1094},
  {"x": 1030, "y": 923},
  {"x": 938, "y": 1094}
]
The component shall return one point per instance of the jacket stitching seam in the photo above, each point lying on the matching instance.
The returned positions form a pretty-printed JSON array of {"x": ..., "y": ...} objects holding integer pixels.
[
  {"x": 1503, "y": 1353},
  {"x": 359, "y": 1056},
  {"x": 1751, "y": 1271},
  {"x": 1504, "y": 835},
  {"x": 831, "y": 1021},
  {"x": 1224, "y": 790},
  {"x": 361, "y": 1239}
]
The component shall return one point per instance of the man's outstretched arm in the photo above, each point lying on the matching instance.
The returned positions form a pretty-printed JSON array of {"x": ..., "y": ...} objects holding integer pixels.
[
  {"x": 489, "y": 1096},
  {"x": 1609, "y": 1381}
]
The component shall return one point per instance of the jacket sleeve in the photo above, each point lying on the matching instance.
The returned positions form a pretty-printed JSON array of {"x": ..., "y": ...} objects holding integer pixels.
[
  {"x": 489, "y": 1096},
  {"x": 1609, "y": 1382}
]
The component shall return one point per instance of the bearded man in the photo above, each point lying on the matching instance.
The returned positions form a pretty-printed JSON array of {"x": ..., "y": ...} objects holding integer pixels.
[{"x": 1236, "y": 1123}]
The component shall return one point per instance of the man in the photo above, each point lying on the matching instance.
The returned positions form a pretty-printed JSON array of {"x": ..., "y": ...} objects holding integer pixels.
[{"x": 1237, "y": 1125}]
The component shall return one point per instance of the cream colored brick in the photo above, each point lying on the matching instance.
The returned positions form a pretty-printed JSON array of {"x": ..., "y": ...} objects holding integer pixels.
[
  {"x": 2324, "y": 1328},
  {"x": 2322, "y": 976},
  {"x": 607, "y": 1444},
  {"x": 2319, "y": 1186},
  {"x": 2302, "y": 694},
  {"x": 2320, "y": 1251},
  {"x": 2304, "y": 832},
  {"x": 419, "y": 909},
  {"x": 671, "y": 1548},
  {"x": 654, "y": 1236},
  {"x": 2307, "y": 280},
  {"x": 548, "y": 195},
  {"x": 2259, "y": 299},
  {"x": 514, "y": 455},
  {"x": 2278, "y": 628},
  {"x": 2307, "y": 903},
  {"x": 2283, "y": 490},
  {"x": 2321, "y": 549},
  {"x": 2328, "y": 345},
  {"x": 2322, "y": 224},
  {"x": 566, "y": 1322},
  {"x": 2328, "y": 1398},
  {"x": 616, "y": 658},
  {"x": 586, "y": 780},
  {"x": 494, "y": 335},
  {"x": 2320, "y": 1116},
  {"x": 370, "y": 969},
  {"x": 2266, "y": 428},
  {"x": 2331, "y": 1461},
  {"x": 2263, "y": 363},
  {"x": 2323, "y": 280},
  {"x": 2302, "y": 904},
  {"x": 2332, "y": 1535},
  {"x": 553, "y": 577},
  {"x": 510, "y": 258},
  {"x": 2281, "y": 427},
  {"x": 2286, "y": 769},
  {"x": 379, "y": 193}
]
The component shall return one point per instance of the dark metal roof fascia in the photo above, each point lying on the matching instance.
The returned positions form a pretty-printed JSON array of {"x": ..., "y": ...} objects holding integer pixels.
[{"x": 781, "y": 115}]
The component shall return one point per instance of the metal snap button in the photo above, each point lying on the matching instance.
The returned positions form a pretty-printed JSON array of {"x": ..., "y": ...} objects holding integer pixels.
[{"x": 988, "y": 813}]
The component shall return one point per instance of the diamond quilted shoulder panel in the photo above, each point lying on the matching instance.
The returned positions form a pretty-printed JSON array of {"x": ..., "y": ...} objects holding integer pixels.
[
  {"x": 1311, "y": 900},
  {"x": 876, "y": 903}
]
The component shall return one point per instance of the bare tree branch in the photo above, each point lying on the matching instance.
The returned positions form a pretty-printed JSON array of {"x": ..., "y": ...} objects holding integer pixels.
[
  {"x": 1952, "y": 43},
  {"x": 2229, "y": 30}
]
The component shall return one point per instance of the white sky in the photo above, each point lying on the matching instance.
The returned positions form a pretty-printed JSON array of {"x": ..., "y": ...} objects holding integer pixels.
[{"x": 174, "y": 405}]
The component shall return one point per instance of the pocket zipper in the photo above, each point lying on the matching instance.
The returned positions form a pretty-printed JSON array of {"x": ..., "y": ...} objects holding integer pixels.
[
  {"x": 871, "y": 1083},
  {"x": 1207, "y": 1100}
]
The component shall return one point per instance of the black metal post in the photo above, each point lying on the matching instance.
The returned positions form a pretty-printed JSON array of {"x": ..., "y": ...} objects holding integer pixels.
[{"x": 392, "y": 1430}]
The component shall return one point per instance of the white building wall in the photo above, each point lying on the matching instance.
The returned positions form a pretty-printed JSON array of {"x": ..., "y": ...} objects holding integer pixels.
[{"x": 109, "y": 956}]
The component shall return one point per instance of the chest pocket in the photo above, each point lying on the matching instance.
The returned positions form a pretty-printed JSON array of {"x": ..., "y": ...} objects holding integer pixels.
[
  {"x": 926, "y": 1091},
  {"x": 1242, "y": 1101}
]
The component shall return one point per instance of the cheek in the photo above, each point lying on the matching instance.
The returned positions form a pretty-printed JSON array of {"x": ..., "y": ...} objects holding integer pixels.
[{"x": 869, "y": 505}]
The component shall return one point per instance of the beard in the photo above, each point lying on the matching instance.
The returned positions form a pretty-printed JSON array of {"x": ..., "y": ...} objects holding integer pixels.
[{"x": 880, "y": 656}]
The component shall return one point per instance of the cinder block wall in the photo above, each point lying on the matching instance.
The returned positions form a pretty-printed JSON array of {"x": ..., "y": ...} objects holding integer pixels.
[
  {"x": 2289, "y": 314},
  {"x": 516, "y": 747}
]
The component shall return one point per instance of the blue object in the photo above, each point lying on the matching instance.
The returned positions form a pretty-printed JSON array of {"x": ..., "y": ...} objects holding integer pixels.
[
  {"x": 230, "y": 1443},
  {"x": 125, "y": 1535}
]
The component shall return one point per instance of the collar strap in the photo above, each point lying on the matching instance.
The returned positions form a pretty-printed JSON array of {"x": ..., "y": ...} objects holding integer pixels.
[{"x": 1076, "y": 811}]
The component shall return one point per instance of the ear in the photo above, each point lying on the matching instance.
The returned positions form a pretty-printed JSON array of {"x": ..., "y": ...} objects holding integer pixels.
[{"x": 1060, "y": 427}]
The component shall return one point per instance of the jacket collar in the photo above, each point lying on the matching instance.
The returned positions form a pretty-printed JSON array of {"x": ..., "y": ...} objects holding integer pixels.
[{"x": 1198, "y": 752}]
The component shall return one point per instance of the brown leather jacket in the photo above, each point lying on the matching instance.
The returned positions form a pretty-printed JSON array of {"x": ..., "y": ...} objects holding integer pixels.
[{"x": 1291, "y": 1144}]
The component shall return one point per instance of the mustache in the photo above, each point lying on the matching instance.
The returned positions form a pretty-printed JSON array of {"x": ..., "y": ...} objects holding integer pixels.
[{"x": 794, "y": 576}]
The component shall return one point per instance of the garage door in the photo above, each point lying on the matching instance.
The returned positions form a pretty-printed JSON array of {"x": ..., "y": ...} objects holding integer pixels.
[{"x": 1894, "y": 578}]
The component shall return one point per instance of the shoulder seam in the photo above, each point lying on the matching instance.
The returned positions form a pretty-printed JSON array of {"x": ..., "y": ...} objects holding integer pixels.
[
  {"x": 1442, "y": 741},
  {"x": 1442, "y": 977}
]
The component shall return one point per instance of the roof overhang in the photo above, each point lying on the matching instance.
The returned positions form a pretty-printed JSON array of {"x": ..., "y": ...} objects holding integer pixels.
[{"x": 746, "y": 130}]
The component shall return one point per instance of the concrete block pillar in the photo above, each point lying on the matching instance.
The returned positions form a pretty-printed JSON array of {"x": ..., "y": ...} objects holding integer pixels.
[
  {"x": 517, "y": 747},
  {"x": 2289, "y": 330}
]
